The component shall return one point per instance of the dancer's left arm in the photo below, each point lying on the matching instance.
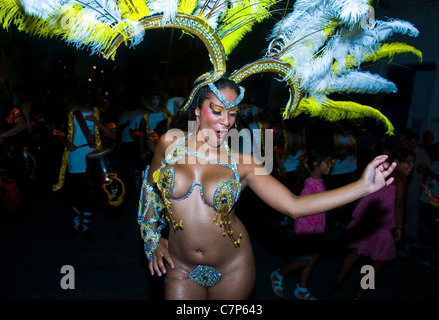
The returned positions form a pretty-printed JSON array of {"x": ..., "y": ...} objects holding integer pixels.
[{"x": 276, "y": 195}]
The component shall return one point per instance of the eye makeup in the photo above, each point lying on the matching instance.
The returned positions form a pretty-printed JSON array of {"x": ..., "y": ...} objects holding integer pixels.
[{"x": 217, "y": 110}]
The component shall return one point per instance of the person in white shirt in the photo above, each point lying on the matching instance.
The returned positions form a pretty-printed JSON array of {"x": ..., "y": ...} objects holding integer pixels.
[{"x": 81, "y": 137}]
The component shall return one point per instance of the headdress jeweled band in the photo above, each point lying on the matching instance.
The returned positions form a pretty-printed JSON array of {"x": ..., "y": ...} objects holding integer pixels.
[{"x": 228, "y": 105}]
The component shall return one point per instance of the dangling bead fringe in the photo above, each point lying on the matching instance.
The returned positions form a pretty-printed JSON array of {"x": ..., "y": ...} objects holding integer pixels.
[{"x": 227, "y": 225}]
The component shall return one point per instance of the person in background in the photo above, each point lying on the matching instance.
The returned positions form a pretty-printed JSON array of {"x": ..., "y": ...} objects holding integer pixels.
[
  {"x": 157, "y": 113},
  {"x": 128, "y": 126},
  {"x": 428, "y": 212},
  {"x": 378, "y": 222},
  {"x": 173, "y": 108},
  {"x": 343, "y": 171},
  {"x": 309, "y": 231},
  {"x": 414, "y": 189},
  {"x": 80, "y": 135},
  {"x": 427, "y": 139}
]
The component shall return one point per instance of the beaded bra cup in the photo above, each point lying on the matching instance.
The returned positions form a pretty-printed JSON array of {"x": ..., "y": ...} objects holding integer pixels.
[{"x": 225, "y": 196}]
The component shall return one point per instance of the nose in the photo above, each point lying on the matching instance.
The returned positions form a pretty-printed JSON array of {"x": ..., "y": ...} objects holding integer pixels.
[{"x": 225, "y": 120}]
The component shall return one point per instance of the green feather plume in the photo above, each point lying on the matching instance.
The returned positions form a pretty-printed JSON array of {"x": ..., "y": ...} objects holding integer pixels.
[
  {"x": 388, "y": 50},
  {"x": 187, "y": 6},
  {"x": 240, "y": 20},
  {"x": 339, "y": 110}
]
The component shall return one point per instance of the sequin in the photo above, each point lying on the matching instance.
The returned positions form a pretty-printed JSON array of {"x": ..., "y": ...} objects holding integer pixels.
[
  {"x": 225, "y": 196},
  {"x": 205, "y": 276}
]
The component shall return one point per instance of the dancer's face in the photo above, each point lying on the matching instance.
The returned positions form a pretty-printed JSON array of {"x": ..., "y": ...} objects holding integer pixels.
[
  {"x": 324, "y": 168},
  {"x": 215, "y": 119},
  {"x": 405, "y": 167}
]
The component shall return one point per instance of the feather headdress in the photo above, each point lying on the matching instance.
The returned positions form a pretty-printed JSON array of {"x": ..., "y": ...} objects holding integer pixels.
[{"x": 317, "y": 48}]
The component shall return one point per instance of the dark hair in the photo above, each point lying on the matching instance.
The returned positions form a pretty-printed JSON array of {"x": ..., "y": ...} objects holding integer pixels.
[
  {"x": 317, "y": 155},
  {"x": 400, "y": 154},
  {"x": 413, "y": 136},
  {"x": 85, "y": 97},
  {"x": 303, "y": 171}
]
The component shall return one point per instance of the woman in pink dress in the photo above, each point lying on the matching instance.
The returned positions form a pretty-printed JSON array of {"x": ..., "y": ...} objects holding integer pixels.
[
  {"x": 308, "y": 230},
  {"x": 377, "y": 222}
]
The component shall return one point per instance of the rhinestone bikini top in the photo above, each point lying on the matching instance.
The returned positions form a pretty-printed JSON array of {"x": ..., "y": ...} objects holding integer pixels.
[{"x": 225, "y": 196}]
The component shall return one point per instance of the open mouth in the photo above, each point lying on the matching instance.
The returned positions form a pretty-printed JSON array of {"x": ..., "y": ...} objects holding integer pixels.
[{"x": 220, "y": 134}]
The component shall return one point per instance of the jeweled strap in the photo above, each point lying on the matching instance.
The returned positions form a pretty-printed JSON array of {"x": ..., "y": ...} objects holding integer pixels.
[
  {"x": 219, "y": 95},
  {"x": 203, "y": 275}
]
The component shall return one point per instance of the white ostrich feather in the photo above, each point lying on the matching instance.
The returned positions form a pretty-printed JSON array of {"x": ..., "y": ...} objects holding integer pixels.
[
  {"x": 355, "y": 82},
  {"x": 313, "y": 71},
  {"x": 83, "y": 26},
  {"x": 386, "y": 29},
  {"x": 166, "y": 7},
  {"x": 105, "y": 11},
  {"x": 41, "y": 8},
  {"x": 212, "y": 10},
  {"x": 360, "y": 43},
  {"x": 300, "y": 35},
  {"x": 312, "y": 42},
  {"x": 349, "y": 11}
]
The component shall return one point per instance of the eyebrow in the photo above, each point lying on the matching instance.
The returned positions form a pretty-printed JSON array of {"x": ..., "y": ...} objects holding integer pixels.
[{"x": 222, "y": 108}]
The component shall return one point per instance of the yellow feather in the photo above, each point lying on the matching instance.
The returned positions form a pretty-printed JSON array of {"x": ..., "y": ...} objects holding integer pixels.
[
  {"x": 329, "y": 29},
  {"x": 339, "y": 110},
  {"x": 187, "y": 6},
  {"x": 11, "y": 12},
  {"x": 390, "y": 49},
  {"x": 242, "y": 18},
  {"x": 133, "y": 9},
  {"x": 387, "y": 50}
]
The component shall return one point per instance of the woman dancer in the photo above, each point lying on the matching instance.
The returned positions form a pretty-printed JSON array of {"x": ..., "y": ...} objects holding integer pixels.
[{"x": 195, "y": 180}]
